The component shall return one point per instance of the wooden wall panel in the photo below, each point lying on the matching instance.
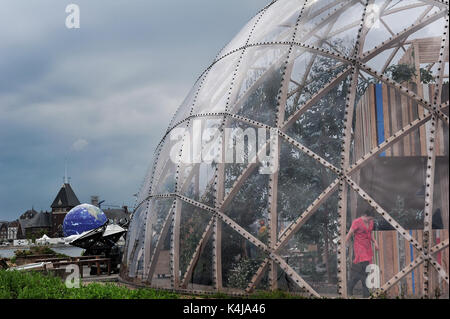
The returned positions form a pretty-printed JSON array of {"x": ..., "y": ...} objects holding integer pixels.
[
  {"x": 398, "y": 112},
  {"x": 390, "y": 259}
]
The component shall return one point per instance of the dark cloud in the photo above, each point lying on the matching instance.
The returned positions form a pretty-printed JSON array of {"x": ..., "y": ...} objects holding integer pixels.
[{"x": 100, "y": 96}]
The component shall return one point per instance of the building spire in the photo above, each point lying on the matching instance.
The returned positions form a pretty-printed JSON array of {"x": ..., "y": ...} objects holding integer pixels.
[{"x": 66, "y": 180}]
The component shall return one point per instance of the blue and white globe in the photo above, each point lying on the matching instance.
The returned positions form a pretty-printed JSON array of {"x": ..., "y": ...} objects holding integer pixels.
[{"x": 83, "y": 218}]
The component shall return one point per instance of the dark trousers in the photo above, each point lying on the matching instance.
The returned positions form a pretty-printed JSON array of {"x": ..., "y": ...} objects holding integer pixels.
[{"x": 358, "y": 272}]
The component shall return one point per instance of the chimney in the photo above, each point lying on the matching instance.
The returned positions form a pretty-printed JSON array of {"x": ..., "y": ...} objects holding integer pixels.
[{"x": 94, "y": 200}]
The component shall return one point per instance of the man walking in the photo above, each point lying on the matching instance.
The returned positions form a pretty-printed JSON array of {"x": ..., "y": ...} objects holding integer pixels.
[{"x": 362, "y": 247}]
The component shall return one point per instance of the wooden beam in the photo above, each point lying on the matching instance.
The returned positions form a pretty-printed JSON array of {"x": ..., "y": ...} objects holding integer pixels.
[
  {"x": 345, "y": 162},
  {"x": 175, "y": 245}
]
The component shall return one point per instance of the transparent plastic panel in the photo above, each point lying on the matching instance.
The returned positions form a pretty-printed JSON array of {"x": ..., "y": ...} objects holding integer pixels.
[
  {"x": 301, "y": 180},
  {"x": 320, "y": 17},
  {"x": 242, "y": 152},
  {"x": 333, "y": 27},
  {"x": 248, "y": 207},
  {"x": 186, "y": 107},
  {"x": 145, "y": 189},
  {"x": 321, "y": 124},
  {"x": 312, "y": 250},
  {"x": 166, "y": 168},
  {"x": 135, "y": 239},
  {"x": 240, "y": 259},
  {"x": 410, "y": 59},
  {"x": 163, "y": 269},
  {"x": 197, "y": 172},
  {"x": 192, "y": 227},
  {"x": 213, "y": 94},
  {"x": 310, "y": 74},
  {"x": 202, "y": 276},
  {"x": 277, "y": 24},
  {"x": 257, "y": 85},
  {"x": 399, "y": 16},
  {"x": 387, "y": 18},
  {"x": 263, "y": 284},
  {"x": 157, "y": 217},
  {"x": 242, "y": 37}
]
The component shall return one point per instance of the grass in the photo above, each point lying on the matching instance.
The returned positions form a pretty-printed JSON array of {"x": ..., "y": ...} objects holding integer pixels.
[{"x": 33, "y": 285}]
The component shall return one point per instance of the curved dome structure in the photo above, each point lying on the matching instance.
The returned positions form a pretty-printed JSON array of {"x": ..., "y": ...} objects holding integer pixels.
[{"x": 330, "y": 108}]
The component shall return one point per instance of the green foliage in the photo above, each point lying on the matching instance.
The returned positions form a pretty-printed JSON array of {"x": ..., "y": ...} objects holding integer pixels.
[
  {"x": 241, "y": 272},
  {"x": 37, "y": 250},
  {"x": 277, "y": 294},
  {"x": 23, "y": 285},
  {"x": 405, "y": 73},
  {"x": 33, "y": 285},
  {"x": 401, "y": 72},
  {"x": 426, "y": 76}
]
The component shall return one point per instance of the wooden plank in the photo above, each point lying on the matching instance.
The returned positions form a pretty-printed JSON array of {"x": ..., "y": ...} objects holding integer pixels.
[
  {"x": 407, "y": 247},
  {"x": 383, "y": 278},
  {"x": 373, "y": 117},
  {"x": 405, "y": 120},
  {"x": 444, "y": 260},
  {"x": 444, "y": 191},
  {"x": 176, "y": 244},
  {"x": 398, "y": 101},
  {"x": 396, "y": 264},
  {"x": 420, "y": 279},
  {"x": 422, "y": 133},
  {"x": 389, "y": 258},
  {"x": 218, "y": 253},
  {"x": 359, "y": 135},
  {"x": 432, "y": 273},
  {"x": 413, "y": 134},
  {"x": 394, "y": 122}
]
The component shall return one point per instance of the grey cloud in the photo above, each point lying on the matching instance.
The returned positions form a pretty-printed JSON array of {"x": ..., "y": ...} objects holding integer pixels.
[{"x": 114, "y": 83}]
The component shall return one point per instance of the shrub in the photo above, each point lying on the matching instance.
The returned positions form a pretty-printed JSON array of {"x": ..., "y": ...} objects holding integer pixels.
[{"x": 33, "y": 285}]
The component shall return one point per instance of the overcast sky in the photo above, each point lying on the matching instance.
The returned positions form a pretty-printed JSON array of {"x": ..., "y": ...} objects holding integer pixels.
[{"x": 100, "y": 96}]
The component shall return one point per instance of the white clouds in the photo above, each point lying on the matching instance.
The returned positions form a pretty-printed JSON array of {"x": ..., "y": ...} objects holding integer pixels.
[{"x": 79, "y": 145}]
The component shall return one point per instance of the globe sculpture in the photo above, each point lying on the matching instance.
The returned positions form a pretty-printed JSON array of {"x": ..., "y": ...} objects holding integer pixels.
[
  {"x": 83, "y": 218},
  {"x": 330, "y": 109}
]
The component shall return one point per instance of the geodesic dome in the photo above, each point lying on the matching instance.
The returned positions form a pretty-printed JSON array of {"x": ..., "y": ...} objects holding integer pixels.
[{"x": 339, "y": 107}]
